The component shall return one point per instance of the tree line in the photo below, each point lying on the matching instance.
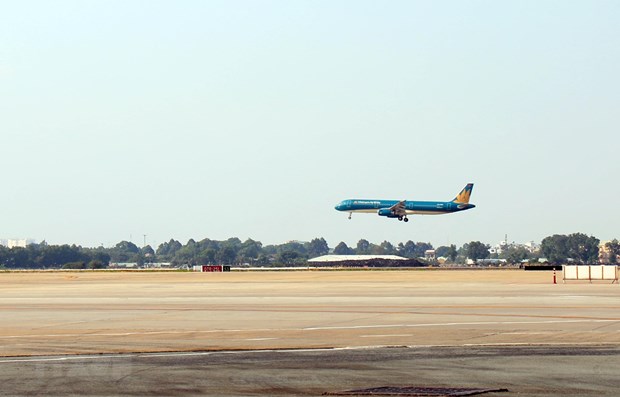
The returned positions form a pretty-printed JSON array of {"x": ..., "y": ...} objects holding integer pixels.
[{"x": 557, "y": 249}]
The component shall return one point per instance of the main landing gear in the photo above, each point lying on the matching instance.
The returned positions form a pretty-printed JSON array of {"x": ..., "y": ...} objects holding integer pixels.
[
  {"x": 403, "y": 218},
  {"x": 350, "y": 213}
]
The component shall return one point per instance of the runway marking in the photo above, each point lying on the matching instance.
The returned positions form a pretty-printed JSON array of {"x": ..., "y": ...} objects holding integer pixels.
[
  {"x": 397, "y": 309},
  {"x": 460, "y": 324},
  {"x": 326, "y": 328},
  {"x": 122, "y": 356},
  {"x": 177, "y": 354},
  {"x": 133, "y": 333},
  {"x": 382, "y": 336}
]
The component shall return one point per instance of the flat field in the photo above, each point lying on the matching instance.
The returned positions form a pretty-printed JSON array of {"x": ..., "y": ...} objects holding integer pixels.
[{"x": 51, "y": 313}]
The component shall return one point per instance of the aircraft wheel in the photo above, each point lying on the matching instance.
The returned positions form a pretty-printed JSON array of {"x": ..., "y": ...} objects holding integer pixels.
[
  {"x": 400, "y": 218},
  {"x": 406, "y": 219}
]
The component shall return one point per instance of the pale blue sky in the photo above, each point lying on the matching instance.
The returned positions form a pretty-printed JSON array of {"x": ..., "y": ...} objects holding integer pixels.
[{"x": 196, "y": 119}]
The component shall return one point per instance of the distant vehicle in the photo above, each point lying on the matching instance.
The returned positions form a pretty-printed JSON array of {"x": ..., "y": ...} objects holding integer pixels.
[{"x": 400, "y": 209}]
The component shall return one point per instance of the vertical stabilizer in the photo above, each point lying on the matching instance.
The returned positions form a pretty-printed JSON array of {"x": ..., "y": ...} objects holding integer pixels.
[{"x": 463, "y": 196}]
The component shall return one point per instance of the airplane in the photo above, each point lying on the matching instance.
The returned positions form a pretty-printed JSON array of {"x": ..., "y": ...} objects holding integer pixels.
[{"x": 400, "y": 209}]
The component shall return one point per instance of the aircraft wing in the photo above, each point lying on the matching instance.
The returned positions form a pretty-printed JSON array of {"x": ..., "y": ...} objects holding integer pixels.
[{"x": 399, "y": 208}]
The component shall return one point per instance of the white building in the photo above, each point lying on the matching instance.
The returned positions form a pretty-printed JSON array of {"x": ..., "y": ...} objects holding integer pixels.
[
  {"x": 504, "y": 245},
  {"x": 17, "y": 242}
]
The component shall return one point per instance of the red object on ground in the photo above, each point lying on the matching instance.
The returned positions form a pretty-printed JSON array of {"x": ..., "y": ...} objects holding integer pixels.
[{"x": 212, "y": 268}]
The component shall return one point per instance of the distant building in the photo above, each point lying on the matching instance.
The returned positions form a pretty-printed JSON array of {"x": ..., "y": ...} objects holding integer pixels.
[
  {"x": 342, "y": 258},
  {"x": 502, "y": 246},
  {"x": 22, "y": 242},
  {"x": 365, "y": 261},
  {"x": 532, "y": 246},
  {"x": 16, "y": 243},
  {"x": 124, "y": 265}
]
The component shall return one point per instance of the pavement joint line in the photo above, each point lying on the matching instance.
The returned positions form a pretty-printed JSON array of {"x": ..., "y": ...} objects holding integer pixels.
[
  {"x": 181, "y": 354},
  {"x": 326, "y": 328},
  {"x": 78, "y": 357},
  {"x": 384, "y": 336},
  {"x": 460, "y": 324}
]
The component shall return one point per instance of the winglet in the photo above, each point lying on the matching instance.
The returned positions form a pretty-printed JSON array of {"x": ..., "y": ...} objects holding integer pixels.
[{"x": 463, "y": 196}]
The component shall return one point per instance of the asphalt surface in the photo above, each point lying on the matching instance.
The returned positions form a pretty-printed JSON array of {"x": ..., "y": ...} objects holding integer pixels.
[{"x": 523, "y": 371}]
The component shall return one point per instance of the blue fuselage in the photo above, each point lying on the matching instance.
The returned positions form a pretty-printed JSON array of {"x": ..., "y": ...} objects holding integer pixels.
[{"x": 411, "y": 207}]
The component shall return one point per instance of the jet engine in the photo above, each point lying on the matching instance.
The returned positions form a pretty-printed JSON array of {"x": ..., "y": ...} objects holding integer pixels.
[{"x": 387, "y": 212}]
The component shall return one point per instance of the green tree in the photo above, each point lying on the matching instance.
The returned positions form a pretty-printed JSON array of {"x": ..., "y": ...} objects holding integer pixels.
[
  {"x": 442, "y": 251},
  {"x": 342, "y": 249},
  {"x": 227, "y": 255},
  {"x": 448, "y": 252},
  {"x": 289, "y": 258},
  {"x": 124, "y": 251},
  {"x": 293, "y": 246},
  {"x": 55, "y": 256},
  {"x": 169, "y": 249},
  {"x": 363, "y": 247},
  {"x": 148, "y": 253},
  {"x": 187, "y": 254},
  {"x": 514, "y": 254},
  {"x": 583, "y": 249},
  {"x": 263, "y": 259},
  {"x": 413, "y": 250},
  {"x": 386, "y": 248},
  {"x": 578, "y": 247},
  {"x": 407, "y": 250},
  {"x": 213, "y": 244},
  {"x": 555, "y": 248},
  {"x": 207, "y": 257},
  {"x": 249, "y": 251},
  {"x": 613, "y": 249},
  {"x": 477, "y": 250},
  {"x": 95, "y": 264},
  {"x": 18, "y": 258},
  {"x": 318, "y": 247},
  {"x": 99, "y": 254},
  {"x": 452, "y": 253},
  {"x": 421, "y": 248}
]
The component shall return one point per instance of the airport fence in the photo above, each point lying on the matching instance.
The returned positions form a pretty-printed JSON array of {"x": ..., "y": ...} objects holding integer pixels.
[{"x": 590, "y": 273}]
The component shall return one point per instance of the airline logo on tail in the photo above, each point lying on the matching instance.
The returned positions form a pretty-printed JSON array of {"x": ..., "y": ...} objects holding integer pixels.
[{"x": 463, "y": 196}]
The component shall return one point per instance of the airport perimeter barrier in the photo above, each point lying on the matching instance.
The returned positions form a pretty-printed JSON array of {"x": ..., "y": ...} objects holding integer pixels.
[{"x": 590, "y": 272}]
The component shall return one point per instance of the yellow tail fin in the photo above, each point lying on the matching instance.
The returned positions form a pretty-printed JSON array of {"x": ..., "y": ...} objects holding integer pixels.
[{"x": 463, "y": 196}]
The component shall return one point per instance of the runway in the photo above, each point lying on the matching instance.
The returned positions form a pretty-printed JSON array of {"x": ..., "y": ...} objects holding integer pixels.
[
  {"x": 85, "y": 313},
  {"x": 52, "y": 316},
  {"x": 543, "y": 371}
]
